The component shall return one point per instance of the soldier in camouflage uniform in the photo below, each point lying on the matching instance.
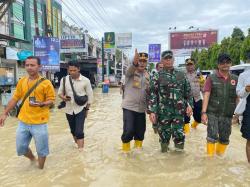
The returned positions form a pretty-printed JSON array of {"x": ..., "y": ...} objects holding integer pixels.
[{"x": 170, "y": 99}]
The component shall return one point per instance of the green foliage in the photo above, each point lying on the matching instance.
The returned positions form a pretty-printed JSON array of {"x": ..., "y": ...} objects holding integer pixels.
[
  {"x": 245, "y": 47},
  {"x": 238, "y": 34},
  {"x": 237, "y": 46},
  {"x": 118, "y": 55}
]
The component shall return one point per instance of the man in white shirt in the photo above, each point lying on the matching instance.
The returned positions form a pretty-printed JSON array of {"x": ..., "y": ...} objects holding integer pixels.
[
  {"x": 243, "y": 90},
  {"x": 75, "y": 113}
]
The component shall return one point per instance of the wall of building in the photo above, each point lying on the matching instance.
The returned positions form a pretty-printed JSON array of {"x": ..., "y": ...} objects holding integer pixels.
[{"x": 54, "y": 16}]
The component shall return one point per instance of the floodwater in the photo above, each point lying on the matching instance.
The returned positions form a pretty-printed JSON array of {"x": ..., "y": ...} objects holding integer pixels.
[{"x": 102, "y": 162}]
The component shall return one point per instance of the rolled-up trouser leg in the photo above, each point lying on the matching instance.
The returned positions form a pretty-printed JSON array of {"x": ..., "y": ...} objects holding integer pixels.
[
  {"x": 225, "y": 129},
  {"x": 140, "y": 126},
  {"x": 128, "y": 125},
  {"x": 212, "y": 128}
]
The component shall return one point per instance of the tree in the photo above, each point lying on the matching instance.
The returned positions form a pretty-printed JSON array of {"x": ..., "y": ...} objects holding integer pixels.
[
  {"x": 203, "y": 59},
  {"x": 245, "y": 48},
  {"x": 213, "y": 53},
  {"x": 224, "y": 47},
  {"x": 235, "y": 50},
  {"x": 248, "y": 34},
  {"x": 238, "y": 34},
  {"x": 118, "y": 55}
]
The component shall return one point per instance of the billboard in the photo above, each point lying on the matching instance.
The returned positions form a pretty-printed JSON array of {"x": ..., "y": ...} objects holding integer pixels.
[
  {"x": 154, "y": 52},
  {"x": 47, "y": 49},
  {"x": 123, "y": 40},
  {"x": 73, "y": 44},
  {"x": 186, "y": 42},
  {"x": 109, "y": 40},
  {"x": 193, "y": 40}
]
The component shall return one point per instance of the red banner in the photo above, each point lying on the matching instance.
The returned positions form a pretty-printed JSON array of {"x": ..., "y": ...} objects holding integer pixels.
[{"x": 193, "y": 39}]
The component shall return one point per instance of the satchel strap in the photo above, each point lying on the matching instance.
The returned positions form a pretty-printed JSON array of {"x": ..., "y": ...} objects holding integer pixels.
[
  {"x": 28, "y": 93},
  {"x": 71, "y": 83},
  {"x": 64, "y": 89}
]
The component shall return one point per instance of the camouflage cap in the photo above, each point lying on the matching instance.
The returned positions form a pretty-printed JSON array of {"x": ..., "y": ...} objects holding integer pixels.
[{"x": 167, "y": 54}]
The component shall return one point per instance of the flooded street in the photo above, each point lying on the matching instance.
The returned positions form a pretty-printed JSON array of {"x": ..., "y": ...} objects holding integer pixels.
[{"x": 103, "y": 164}]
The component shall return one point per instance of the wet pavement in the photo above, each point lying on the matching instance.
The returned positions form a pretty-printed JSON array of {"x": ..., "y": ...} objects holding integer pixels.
[{"x": 102, "y": 162}]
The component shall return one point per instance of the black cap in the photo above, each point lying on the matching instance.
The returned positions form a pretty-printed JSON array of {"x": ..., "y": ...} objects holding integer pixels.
[
  {"x": 143, "y": 56},
  {"x": 166, "y": 54},
  {"x": 223, "y": 57}
]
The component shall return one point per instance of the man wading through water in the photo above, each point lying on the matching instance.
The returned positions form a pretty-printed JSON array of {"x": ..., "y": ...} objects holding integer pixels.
[{"x": 34, "y": 113}]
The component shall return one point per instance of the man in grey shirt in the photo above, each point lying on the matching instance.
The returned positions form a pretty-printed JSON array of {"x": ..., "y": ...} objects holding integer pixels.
[
  {"x": 134, "y": 102},
  {"x": 196, "y": 88},
  {"x": 75, "y": 113}
]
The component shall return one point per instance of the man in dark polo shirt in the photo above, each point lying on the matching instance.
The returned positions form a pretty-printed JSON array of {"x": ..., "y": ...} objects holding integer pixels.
[{"x": 218, "y": 106}]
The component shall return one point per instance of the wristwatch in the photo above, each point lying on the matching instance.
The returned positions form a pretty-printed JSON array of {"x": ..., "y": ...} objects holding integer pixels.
[{"x": 42, "y": 104}]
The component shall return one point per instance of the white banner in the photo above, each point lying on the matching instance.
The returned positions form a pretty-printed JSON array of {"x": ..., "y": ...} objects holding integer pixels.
[{"x": 123, "y": 40}]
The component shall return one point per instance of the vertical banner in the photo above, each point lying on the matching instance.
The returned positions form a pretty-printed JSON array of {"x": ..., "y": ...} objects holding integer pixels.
[
  {"x": 154, "y": 52},
  {"x": 109, "y": 40},
  {"x": 47, "y": 49},
  {"x": 99, "y": 70}
]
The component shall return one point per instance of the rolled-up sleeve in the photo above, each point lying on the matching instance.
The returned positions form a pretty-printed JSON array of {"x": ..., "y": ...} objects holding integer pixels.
[
  {"x": 240, "y": 89},
  {"x": 89, "y": 92},
  {"x": 60, "y": 90},
  {"x": 131, "y": 70},
  {"x": 208, "y": 85}
]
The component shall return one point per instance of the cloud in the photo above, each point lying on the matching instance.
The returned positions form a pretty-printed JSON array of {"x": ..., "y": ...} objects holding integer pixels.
[{"x": 149, "y": 21}]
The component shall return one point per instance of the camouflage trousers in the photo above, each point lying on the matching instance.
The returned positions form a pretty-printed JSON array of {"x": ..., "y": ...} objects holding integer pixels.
[
  {"x": 171, "y": 126},
  {"x": 219, "y": 129}
]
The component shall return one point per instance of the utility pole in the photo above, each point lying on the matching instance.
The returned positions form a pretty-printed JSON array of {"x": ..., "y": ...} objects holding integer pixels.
[
  {"x": 36, "y": 17},
  {"x": 122, "y": 63},
  {"x": 102, "y": 59}
]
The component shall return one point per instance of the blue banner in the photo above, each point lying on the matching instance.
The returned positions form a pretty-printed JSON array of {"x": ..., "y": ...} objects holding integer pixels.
[
  {"x": 154, "y": 52},
  {"x": 47, "y": 49}
]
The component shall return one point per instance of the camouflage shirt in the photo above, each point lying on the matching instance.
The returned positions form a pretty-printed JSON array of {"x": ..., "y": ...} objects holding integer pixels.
[{"x": 170, "y": 93}]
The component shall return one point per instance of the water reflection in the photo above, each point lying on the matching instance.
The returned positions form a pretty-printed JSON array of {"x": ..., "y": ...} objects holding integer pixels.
[{"x": 103, "y": 164}]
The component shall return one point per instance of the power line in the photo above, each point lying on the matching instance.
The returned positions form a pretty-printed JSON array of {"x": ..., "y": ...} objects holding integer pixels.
[
  {"x": 93, "y": 16},
  {"x": 73, "y": 11},
  {"x": 99, "y": 14},
  {"x": 70, "y": 10},
  {"x": 103, "y": 9},
  {"x": 76, "y": 13}
]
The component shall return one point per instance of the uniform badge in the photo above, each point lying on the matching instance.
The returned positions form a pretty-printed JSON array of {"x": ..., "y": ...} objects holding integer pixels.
[{"x": 233, "y": 82}]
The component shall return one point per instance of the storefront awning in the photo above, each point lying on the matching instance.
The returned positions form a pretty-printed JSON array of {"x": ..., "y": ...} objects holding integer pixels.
[{"x": 11, "y": 38}]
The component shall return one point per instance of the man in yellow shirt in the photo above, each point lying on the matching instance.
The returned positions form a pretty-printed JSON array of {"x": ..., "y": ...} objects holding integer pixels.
[{"x": 34, "y": 114}]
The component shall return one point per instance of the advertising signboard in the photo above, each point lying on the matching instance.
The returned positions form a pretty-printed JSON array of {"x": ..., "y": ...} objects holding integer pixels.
[
  {"x": 47, "y": 49},
  {"x": 154, "y": 52},
  {"x": 73, "y": 44}
]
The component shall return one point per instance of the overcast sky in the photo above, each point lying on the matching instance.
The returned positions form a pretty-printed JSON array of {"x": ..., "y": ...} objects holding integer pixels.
[{"x": 150, "y": 20}]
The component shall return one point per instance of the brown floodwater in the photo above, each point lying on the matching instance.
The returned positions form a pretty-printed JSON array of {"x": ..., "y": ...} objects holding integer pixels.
[{"x": 102, "y": 162}]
